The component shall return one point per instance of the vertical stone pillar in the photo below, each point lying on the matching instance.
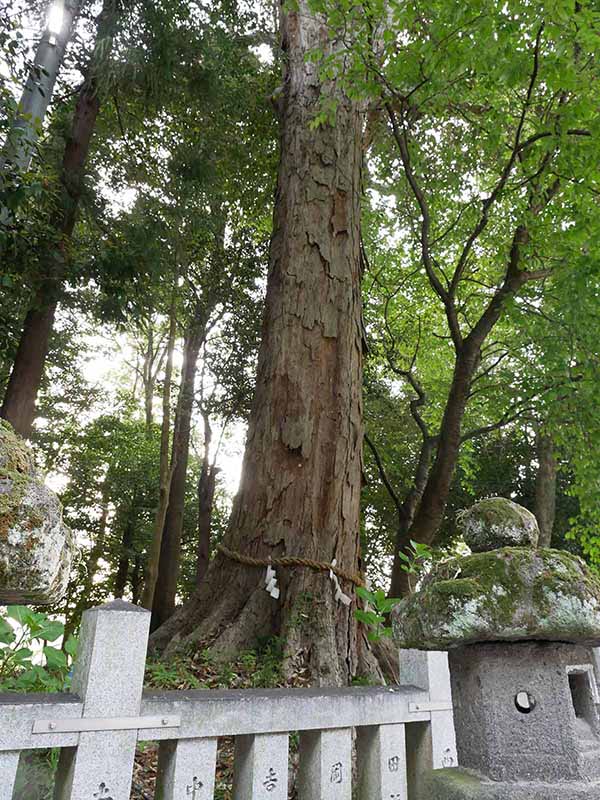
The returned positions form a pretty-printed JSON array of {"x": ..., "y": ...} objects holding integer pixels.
[
  {"x": 9, "y": 762},
  {"x": 429, "y": 671},
  {"x": 186, "y": 769},
  {"x": 382, "y": 773},
  {"x": 261, "y": 767},
  {"x": 325, "y": 765},
  {"x": 109, "y": 676}
]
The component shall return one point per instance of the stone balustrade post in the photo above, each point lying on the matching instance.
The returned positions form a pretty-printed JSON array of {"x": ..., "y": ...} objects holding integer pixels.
[
  {"x": 261, "y": 767},
  {"x": 431, "y": 745},
  {"x": 325, "y": 765},
  {"x": 108, "y": 677},
  {"x": 9, "y": 763}
]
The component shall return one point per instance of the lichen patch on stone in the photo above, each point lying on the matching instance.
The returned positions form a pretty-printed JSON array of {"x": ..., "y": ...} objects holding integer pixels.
[
  {"x": 511, "y": 594},
  {"x": 35, "y": 545},
  {"x": 498, "y": 522}
]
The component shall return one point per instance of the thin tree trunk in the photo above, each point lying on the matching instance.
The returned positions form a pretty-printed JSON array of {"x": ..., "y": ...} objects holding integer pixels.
[
  {"x": 206, "y": 497},
  {"x": 165, "y": 469},
  {"x": 73, "y": 618},
  {"x": 24, "y": 132},
  {"x": 126, "y": 553},
  {"x": 301, "y": 481},
  {"x": 432, "y": 506},
  {"x": 431, "y": 509},
  {"x": 407, "y": 514},
  {"x": 136, "y": 579},
  {"x": 26, "y": 376},
  {"x": 168, "y": 569},
  {"x": 149, "y": 380},
  {"x": 545, "y": 488}
]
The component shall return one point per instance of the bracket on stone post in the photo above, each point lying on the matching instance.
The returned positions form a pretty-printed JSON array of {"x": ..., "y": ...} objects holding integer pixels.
[
  {"x": 428, "y": 670},
  {"x": 108, "y": 677}
]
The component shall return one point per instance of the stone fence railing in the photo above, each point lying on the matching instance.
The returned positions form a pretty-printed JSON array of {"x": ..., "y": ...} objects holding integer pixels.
[{"x": 400, "y": 730}]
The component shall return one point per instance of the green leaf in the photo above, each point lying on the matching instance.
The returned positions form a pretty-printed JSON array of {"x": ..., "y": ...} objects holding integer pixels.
[
  {"x": 22, "y": 656},
  {"x": 365, "y": 595},
  {"x": 70, "y": 646},
  {"x": 7, "y": 634},
  {"x": 20, "y": 614},
  {"x": 50, "y": 630},
  {"x": 55, "y": 658}
]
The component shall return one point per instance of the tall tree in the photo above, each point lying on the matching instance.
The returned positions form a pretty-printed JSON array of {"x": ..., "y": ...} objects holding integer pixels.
[
  {"x": 168, "y": 569},
  {"x": 24, "y": 131},
  {"x": 18, "y": 406},
  {"x": 488, "y": 144},
  {"x": 166, "y": 466},
  {"x": 300, "y": 489}
]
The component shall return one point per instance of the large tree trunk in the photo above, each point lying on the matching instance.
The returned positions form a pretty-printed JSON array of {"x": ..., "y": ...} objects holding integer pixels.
[
  {"x": 545, "y": 488},
  {"x": 26, "y": 376},
  {"x": 301, "y": 480},
  {"x": 170, "y": 551}
]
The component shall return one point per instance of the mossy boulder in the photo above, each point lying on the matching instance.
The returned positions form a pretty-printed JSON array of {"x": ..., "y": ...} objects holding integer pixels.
[
  {"x": 510, "y": 594},
  {"x": 498, "y": 522},
  {"x": 35, "y": 545}
]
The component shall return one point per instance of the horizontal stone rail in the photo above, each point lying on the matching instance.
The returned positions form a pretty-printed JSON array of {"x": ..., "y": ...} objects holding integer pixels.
[{"x": 98, "y": 726}]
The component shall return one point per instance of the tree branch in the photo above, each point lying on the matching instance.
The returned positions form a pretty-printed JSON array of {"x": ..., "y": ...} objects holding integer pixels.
[
  {"x": 383, "y": 475},
  {"x": 402, "y": 142},
  {"x": 504, "y": 176}
]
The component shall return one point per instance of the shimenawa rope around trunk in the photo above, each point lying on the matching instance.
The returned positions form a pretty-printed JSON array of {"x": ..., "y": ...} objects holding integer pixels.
[{"x": 290, "y": 561}]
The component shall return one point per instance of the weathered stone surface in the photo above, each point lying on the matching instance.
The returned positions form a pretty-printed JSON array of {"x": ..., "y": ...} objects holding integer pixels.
[
  {"x": 498, "y": 522},
  {"x": 35, "y": 545},
  {"x": 526, "y": 711},
  {"x": 381, "y": 772},
  {"x": 512, "y": 594},
  {"x": 325, "y": 765},
  {"x": 9, "y": 763},
  {"x": 461, "y": 784},
  {"x": 108, "y": 677},
  {"x": 261, "y": 767}
]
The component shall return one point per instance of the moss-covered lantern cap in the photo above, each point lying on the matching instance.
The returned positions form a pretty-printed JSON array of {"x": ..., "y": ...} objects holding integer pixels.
[
  {"x": 503, "y": 595},
  {"x": 498, "y": 522},
  {"x": 36, "y": 547}
]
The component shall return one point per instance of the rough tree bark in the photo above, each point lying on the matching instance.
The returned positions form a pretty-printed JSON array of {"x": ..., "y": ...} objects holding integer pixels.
[
  {"x": 545, "y": 487},
  {"x": 26, "y": 376},
  {"x": 300, "y": 487},
  {"x": 165, "y": 590}
]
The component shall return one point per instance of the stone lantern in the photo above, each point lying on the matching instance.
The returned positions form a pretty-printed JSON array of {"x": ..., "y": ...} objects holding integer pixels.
[
  {"x": 519, "y": 625},
  {"x": 35, "y": 545}
]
